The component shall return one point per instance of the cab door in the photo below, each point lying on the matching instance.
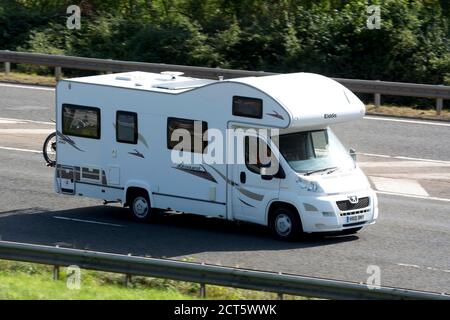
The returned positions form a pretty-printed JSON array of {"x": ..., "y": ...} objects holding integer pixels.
[{"x": 252, "y": 190}]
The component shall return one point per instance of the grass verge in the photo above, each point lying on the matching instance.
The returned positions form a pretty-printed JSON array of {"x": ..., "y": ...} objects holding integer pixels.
[
  {"x": 27, "y": 281},
  {"x": 409, "y": 112},
  {"x": 24, "y": 78}
]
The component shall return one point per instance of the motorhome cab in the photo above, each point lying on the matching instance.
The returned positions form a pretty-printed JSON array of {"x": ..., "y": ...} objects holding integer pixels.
[{"x": 115, "y": 143}]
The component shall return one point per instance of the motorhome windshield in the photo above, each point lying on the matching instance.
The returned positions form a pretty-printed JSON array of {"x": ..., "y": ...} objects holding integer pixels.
[{"x": 312, "y": 152}]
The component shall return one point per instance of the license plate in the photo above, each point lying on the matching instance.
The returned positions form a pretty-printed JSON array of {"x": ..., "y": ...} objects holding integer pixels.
[{"x": 357, "y": 218}]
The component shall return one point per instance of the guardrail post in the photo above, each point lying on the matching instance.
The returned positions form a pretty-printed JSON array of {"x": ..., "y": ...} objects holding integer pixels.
[
  {"x": 280, "y": 296},
  {"x": 55, "y": 272},
  {"x": 7, "y": 68},
  {"x": 377, "y": 100},
  {"x": 439, "y": 106},
  {"x": 128, "y": 280},
  {"x": 58, "y": 73},
  {"x": 202, "y": 290}
]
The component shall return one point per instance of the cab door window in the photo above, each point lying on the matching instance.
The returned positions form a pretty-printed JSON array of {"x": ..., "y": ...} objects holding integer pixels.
[{"x": 257, "y": 154}]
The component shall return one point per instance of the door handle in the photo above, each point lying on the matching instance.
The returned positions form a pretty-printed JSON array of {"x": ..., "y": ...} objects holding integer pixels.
[{"x": 243, "y": 177}]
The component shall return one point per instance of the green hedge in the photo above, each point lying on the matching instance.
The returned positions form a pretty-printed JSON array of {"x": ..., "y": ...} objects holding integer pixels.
[{"x": 324, "y": 36}]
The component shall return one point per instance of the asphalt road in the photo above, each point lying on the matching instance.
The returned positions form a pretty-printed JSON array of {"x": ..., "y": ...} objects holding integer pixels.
[{"x": 410, "y": 242}]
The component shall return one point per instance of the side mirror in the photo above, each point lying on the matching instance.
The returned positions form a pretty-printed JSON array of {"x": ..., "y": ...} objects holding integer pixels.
[
  {"x": 265, "y": 174},
  {"x": 352, "y": 153}
]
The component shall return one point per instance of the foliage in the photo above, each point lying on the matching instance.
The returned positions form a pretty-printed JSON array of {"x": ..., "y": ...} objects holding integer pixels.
[{"x": 324, "y": 36}]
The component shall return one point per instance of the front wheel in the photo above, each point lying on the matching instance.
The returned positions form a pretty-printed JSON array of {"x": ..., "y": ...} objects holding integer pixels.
[
  {"x": 285, "y": 224},
  {"x": 49, "y": 150}
]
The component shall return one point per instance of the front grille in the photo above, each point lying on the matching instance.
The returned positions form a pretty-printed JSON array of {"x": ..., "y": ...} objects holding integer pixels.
[{"x": 346, "y": 205}]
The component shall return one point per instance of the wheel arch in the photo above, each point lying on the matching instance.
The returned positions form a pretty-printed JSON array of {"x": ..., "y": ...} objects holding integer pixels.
[
  {"x": 132, "y": 186},
  {"x": 276, "y": 203}
]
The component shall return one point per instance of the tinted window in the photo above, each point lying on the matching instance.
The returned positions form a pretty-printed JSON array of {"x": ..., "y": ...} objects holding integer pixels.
[
  {"x": 197, "y": 144},
  {"x": 247, "y": 107},
  {"x": 81, "y": 121},
  {"x": 126, "y": 127}
]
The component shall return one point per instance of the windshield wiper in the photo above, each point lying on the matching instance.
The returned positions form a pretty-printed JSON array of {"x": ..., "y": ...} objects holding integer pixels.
[{"x": 331, "y": 169}]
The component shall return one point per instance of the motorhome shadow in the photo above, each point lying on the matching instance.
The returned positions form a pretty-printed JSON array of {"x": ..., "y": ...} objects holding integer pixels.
[{"x": 115, "y": 143}]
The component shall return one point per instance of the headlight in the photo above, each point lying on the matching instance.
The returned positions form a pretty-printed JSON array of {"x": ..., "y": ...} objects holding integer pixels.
[{"x": 310, "y": 186}]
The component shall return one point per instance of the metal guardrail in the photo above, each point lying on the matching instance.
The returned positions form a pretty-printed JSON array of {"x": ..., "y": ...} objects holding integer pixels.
[
  {"x": 205, "y": 274},
  {"x": 377, "y": 88}
]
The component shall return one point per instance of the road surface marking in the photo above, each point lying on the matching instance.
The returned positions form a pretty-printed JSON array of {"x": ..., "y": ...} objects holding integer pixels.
[
  {"x": 19, "y": 121},
  {"x": 418, "y": 176},
  {"x": 26, "y": 131},
  {"x": 399, "y": 186},
  {"x": 8, "y": 121},
  {"x": 21, "y": 150},
  {"x": 412, "y": 196},
  {"x": 88, "y": 221},
  {"x": 401, "y": 157},
  {"x": 432, "y": 123},
  {"x": 26, "y": 87},
  {"x": 402, "y": 164},
  {"x": 422, "y": 267}
]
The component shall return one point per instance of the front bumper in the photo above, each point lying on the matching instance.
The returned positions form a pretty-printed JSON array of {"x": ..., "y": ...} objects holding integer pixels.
[{"x": 322, "y": 214}]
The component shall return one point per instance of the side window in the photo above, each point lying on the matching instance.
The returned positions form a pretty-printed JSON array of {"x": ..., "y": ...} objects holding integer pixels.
[
  {"x": 81, "y": 121},
  {"x": 255, "y": 157},
  {"x": 126, "y": 127},
  {"x": 247, "y": 107},
  {"x": 197, "y": 143},
  {"x": 320, "y": 143}
]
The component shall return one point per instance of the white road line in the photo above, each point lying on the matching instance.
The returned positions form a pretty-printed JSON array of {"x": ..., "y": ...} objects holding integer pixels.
[
  {"x": 402, "y": 164},
  {"x": 21, "y": 150},
  {"x": 419, "y": 267},
  {"x": 18, "y": 121},
  {"x": 26, "y": 131},
  {"x": 10, "y": 85},
  {"x": 431, "y": 123},
  {"x": 412, "y": 196},
  {"x": 88, "y": 221},
  {"x": 401, "y": 157}
]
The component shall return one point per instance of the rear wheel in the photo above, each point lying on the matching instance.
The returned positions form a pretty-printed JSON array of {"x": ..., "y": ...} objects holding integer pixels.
[
  {"x": 140, "y": 207},
  {"x": 49, "y": 150},
  {"x": 285, "y": 224}
]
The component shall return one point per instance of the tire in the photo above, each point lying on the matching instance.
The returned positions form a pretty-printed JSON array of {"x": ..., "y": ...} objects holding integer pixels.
[
  {"x": 50, "y": 145},
  {"x": 285, "y": 224},
  {"x": 140, "y": 206},
  {"x": 350, "y": 231}
]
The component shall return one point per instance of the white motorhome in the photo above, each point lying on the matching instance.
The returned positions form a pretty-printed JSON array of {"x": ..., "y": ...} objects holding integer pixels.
[{"x": 114, "y": 143}]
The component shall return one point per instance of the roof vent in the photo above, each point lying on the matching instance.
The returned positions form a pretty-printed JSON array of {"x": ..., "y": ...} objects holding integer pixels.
[
  {"x": 123, "y": 78},
  {"x": 172, "y": 74}
]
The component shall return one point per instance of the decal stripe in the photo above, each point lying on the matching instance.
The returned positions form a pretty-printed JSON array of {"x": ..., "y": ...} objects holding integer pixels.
[
  {"x": 252, "y": 195},
  {"x": 137, "y": 154},
  {"x": 275, "y": 114},
  {"x": 187, "y": 198},
  {"x": 246, "y": 203},
  {"x": 142, "y": 139},
  {"x": 68, "y": 140},
  {"x": 201, "y": 174}
]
